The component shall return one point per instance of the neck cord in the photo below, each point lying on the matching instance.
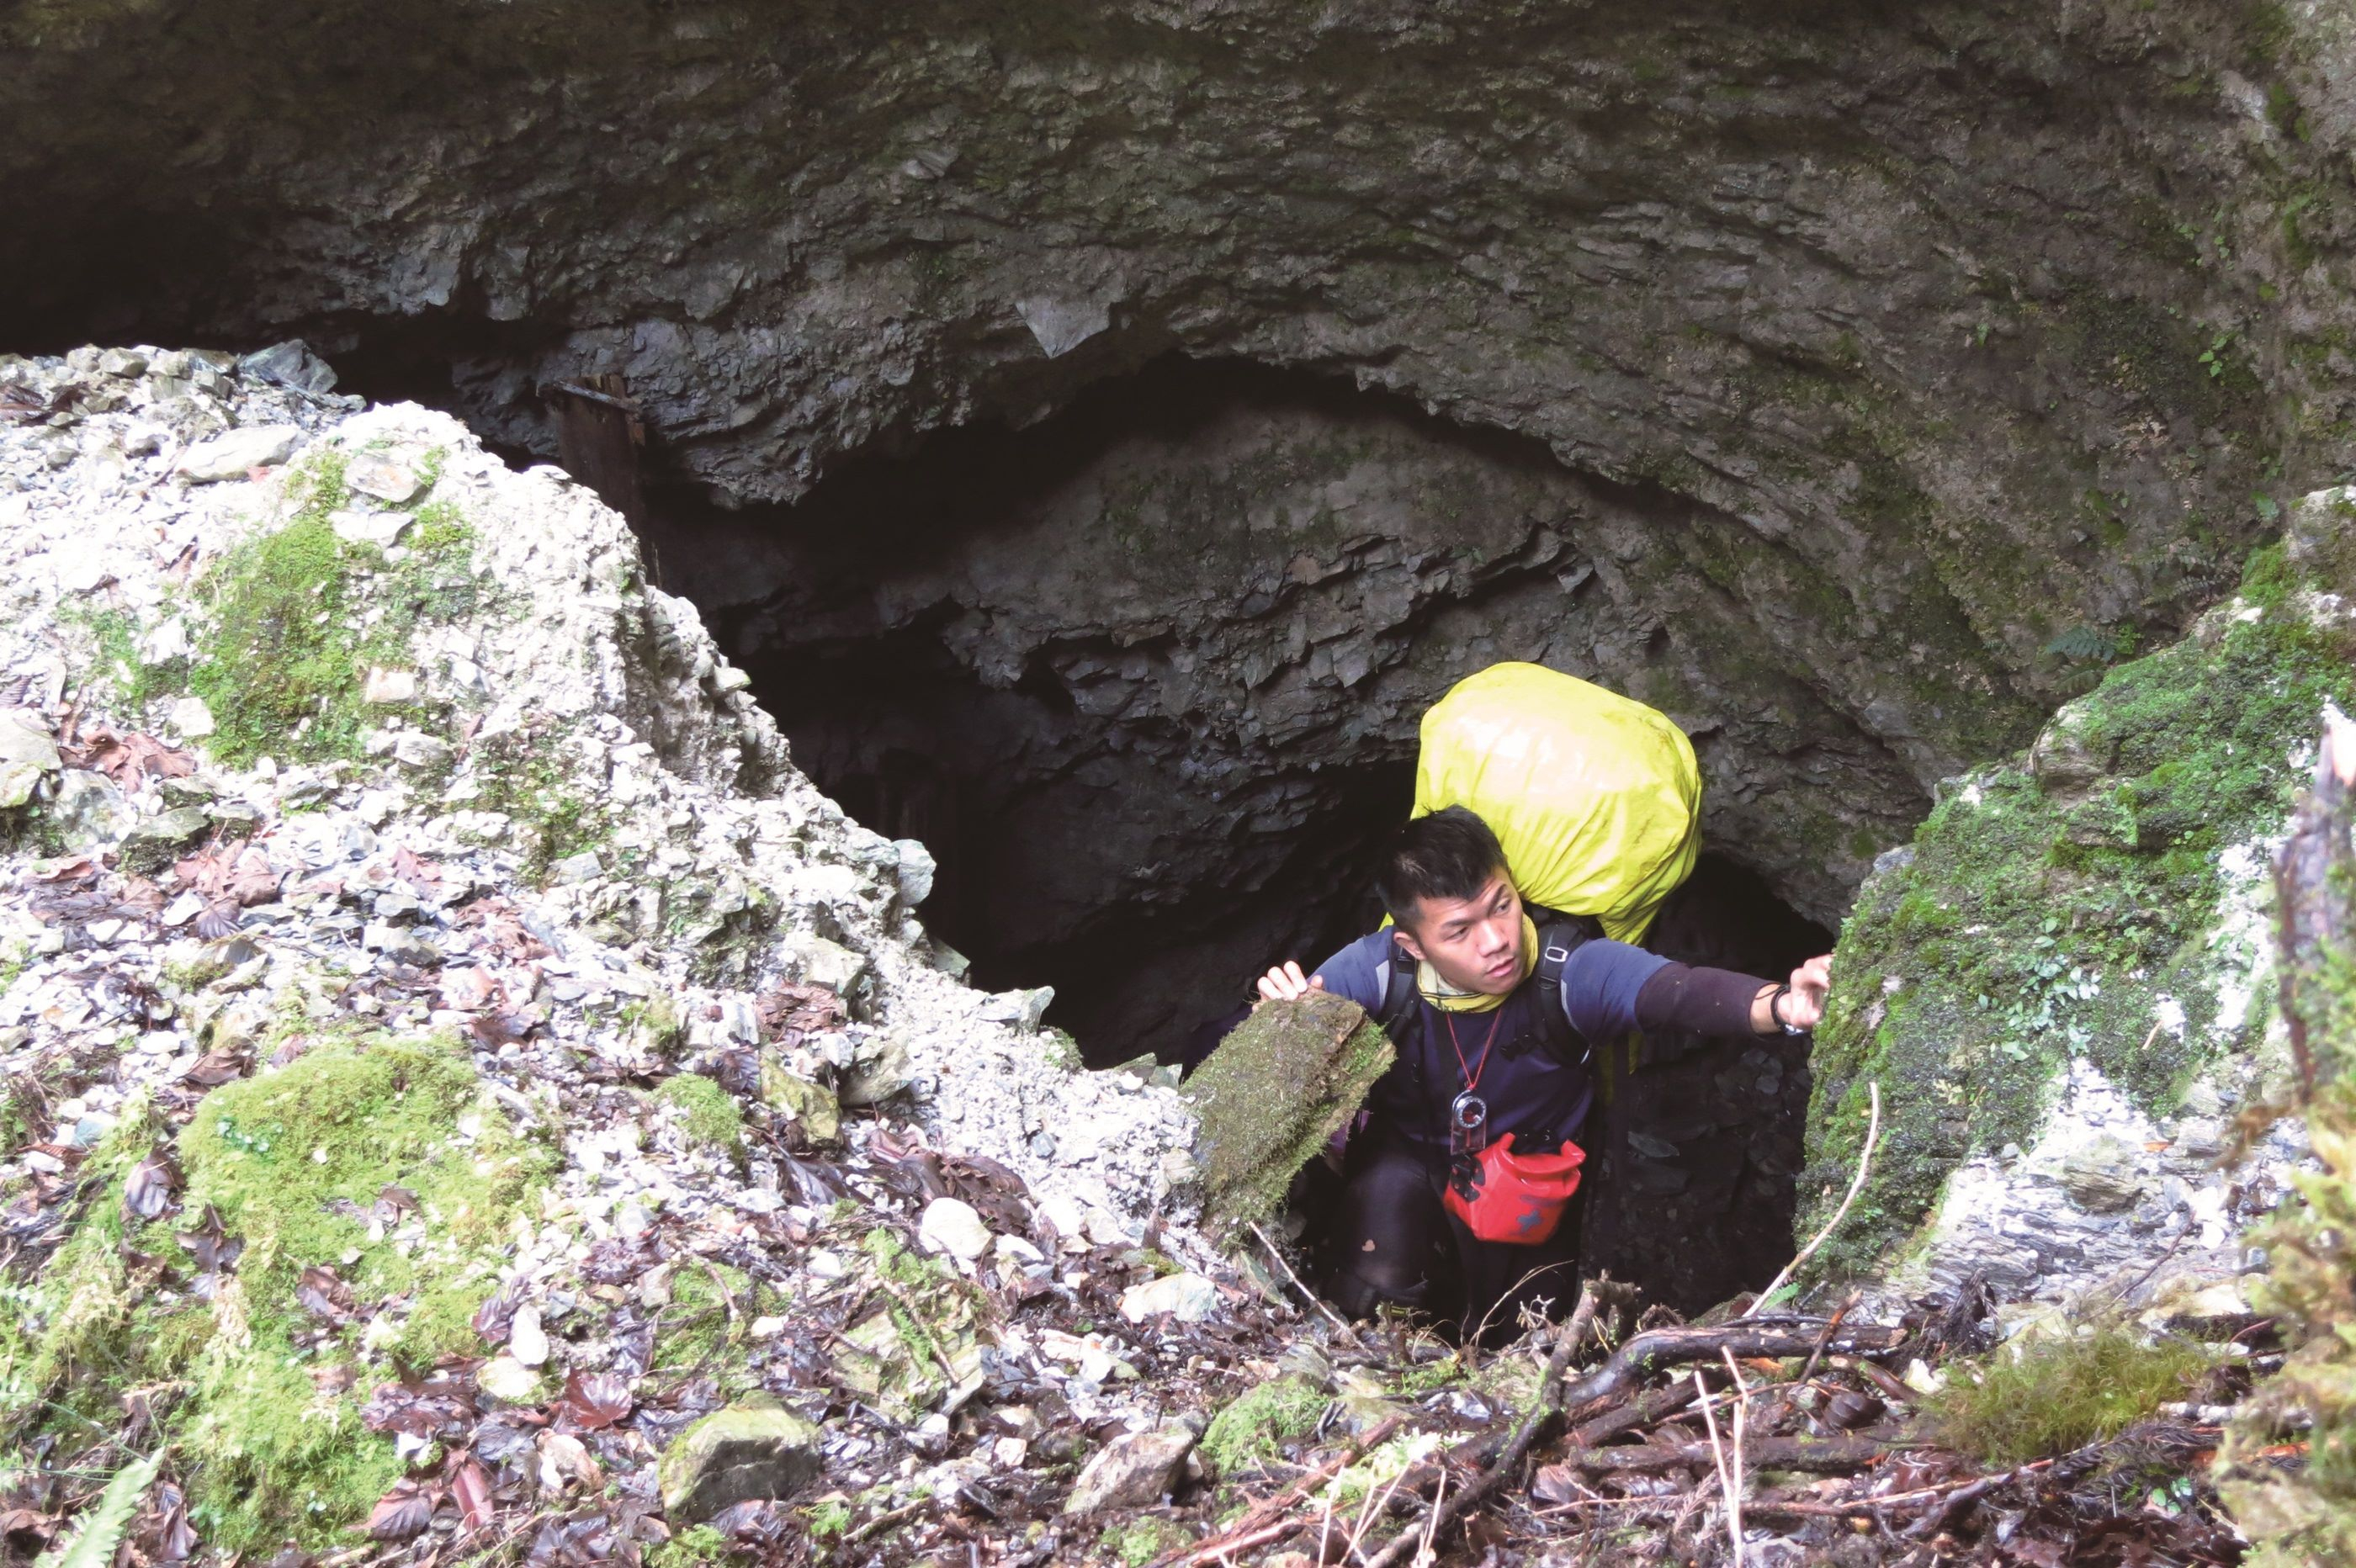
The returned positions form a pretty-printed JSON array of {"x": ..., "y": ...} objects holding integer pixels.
[{"x": 1472, "y": 1074}]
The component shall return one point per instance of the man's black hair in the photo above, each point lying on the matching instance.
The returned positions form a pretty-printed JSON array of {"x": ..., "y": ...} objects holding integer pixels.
[{"x": 1449, "y": 854}]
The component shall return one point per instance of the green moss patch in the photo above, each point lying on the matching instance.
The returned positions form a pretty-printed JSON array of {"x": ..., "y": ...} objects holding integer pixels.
[
  {"x": 376, "y": 1159},
  {"x": 1142, "y": 1540},
  {"x": 2052, "y": 902},
  {"x": 707, "y": 1113},
  {"x": 525, "y": 776},
  {"x": 296, "y": 616},
  {"x": 2060, "y": 1394},
  {"x": 380, "y": 1159},
  {"x": 1248, "y": 1431}
]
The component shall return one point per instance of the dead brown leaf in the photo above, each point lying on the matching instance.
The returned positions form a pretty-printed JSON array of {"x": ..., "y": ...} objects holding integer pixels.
[
  {"x": 129, "y": 758},
  {"x": 593, "y": 1401},
  {"x": 403, "y": 1513},
  {"x": 322, "y": 1294},
  {"x": 470, "y": 1486},
  {"x": 147, "y": 1190},
  {"x": 796, "y": 1009}
]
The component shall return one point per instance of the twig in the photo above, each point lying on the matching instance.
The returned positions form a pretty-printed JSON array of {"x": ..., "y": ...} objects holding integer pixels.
[
  {"x": 1541, "y": 1411},
  {"x": 1220, "y": 1549},
  {"x": 1958, "y": 1503},
  {"x": 941, "y": 1357},
  {"x": 727, "y": 1297},
  {"x": 1253, "y": 1522},
  {"x": 1734, "y": 1485},
  {"x": 1372, "y": 1509},
  {"x": 1726, "y": 1484},
  {"x": 1313, "y": 1298},
  {"x": 1857, "y": 1185},
  {"x": 883, "y": 1521},
  {"x": 1431, "y": 1523},
  {"x": 1832, "y": 1326}
]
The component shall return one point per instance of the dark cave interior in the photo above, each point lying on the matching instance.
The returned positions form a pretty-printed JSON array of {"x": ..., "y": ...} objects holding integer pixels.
[{"x": 1067, "y": 815}]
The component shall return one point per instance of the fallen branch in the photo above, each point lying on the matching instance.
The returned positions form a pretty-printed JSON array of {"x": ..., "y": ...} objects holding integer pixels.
[
  {"x": 1891, "y": 1500},
  {"x": 1648, "y": 1352},
  {"x": 1542, "y": 1412},
  {"x": 1644, "y": 1411},
  {"x": 1823, "y": 1456},
  {"x": 1857, "y": 1185}
]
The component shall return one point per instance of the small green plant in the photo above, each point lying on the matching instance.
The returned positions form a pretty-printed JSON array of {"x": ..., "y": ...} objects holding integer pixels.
[
  {"x": 524, "y": 776},
  {"x": 2083, "y": 643},
  {"x": 2056, "y": 1395},
  {"x": 2212, "y": 358},
  {"x": 829, "y": 1518},
  {"x": 691, "y": 1548},
  {"x": 115, "y": 635}
]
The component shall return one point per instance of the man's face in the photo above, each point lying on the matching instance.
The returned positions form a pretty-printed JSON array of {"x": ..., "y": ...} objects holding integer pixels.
[{"x": 1475, "y": 944}]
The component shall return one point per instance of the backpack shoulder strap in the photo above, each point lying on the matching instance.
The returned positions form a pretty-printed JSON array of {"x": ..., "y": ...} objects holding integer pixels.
[
  {"x": 1559, "y": 936},
  {"x": 1398, "y": 991}
]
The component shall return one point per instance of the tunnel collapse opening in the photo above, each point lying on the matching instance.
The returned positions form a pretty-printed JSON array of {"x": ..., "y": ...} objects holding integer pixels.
[{"x": 1145, "y": 678}]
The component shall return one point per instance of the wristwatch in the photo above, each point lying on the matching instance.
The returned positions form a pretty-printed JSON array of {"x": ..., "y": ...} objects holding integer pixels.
[{"x": 1775, "y": 1009}]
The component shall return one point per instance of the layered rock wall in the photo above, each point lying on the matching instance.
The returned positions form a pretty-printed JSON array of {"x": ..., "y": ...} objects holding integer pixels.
[{"x": 1960, "y": 335}]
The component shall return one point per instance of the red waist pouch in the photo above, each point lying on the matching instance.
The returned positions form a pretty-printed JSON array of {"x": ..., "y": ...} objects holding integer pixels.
[{"x": 1506, "y": 1196}]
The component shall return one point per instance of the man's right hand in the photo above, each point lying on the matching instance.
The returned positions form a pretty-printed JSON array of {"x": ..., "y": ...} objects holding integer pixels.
[{"x": 1286, "y": 982}]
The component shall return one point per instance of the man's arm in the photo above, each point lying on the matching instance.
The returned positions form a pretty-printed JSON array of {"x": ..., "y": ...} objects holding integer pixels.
[{"x": 1610, "y": 987}]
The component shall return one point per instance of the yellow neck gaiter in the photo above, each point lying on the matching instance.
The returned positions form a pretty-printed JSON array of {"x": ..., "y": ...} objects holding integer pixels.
[{"x": 1449, "y": 999}]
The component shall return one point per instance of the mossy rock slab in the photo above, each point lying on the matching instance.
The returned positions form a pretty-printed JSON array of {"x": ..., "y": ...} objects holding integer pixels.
[
  {"x": 159, "y": 840},
  {"x": 754, "y": 1450},
  {"x": 1287, "y": 1079},
  {"x": 2093, "y": 905},
  {"x": 794, "y": 1099}
]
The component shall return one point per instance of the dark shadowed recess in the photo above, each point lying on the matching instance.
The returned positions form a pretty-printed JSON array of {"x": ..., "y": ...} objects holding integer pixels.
[{"x": 1017, "y": 789}]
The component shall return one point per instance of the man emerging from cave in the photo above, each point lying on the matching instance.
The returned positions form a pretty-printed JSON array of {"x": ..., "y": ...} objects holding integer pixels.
[{"x": 1495, "y": 1009}]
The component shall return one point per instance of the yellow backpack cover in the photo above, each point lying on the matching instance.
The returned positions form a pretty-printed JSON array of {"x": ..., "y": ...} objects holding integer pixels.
[{"x": 1596, "y": 797}]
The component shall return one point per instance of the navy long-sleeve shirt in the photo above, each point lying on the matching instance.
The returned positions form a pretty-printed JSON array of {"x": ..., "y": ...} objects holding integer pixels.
[{"x": 1510, "y": 1058}]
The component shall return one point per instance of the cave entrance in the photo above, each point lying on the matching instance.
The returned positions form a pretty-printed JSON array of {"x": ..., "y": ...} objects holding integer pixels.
[{"x": 1145, "y": 678}]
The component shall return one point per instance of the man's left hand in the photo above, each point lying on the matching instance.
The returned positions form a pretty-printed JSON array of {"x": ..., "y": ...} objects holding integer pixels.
[{"x": 1804, "y": 1007}]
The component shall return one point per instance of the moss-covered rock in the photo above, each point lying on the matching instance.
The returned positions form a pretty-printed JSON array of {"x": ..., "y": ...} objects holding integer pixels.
[
  {"x": 755, "y": 1448},
  {"x": 2293, "y": 1514},
  {"x": 1249, "y": 1428},
  {"x": 919, "y": 1345},
  {"x": 810, "y": 1109},
  {"x": 2086, "y": 902},
  {"x": 1284, "y": 1082}
]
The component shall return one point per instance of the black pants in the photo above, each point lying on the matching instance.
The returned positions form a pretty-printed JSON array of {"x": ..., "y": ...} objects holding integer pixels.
[{"x": 1393, "y": 1240}]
